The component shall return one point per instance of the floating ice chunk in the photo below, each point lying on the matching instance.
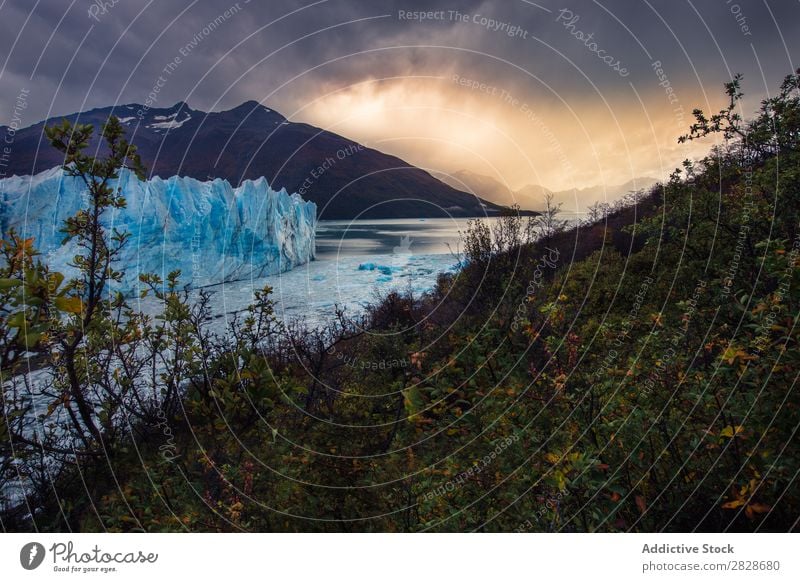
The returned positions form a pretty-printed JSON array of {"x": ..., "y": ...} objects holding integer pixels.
[{"x": 385, "y": 269}]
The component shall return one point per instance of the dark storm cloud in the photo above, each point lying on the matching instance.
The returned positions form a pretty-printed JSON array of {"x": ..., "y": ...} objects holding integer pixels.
[
  {"x": 131, "y": 41},
  {"x": 288, "y": 54}
]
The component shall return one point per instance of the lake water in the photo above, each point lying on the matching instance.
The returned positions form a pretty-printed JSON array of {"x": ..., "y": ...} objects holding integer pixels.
[{"x": 357, "y": 262}]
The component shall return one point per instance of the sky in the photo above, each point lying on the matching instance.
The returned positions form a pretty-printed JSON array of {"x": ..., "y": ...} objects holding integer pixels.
[{"x": 565, "y": 94}]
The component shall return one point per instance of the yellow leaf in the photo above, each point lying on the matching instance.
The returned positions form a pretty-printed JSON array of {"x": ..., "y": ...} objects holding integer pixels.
[
  {"x": 733, "y": 504},
  {"x": 54, "y": 281},
  {"x": 729, "y": 355},
  {"x": 730, "y": 431},
  {"x": 561, "y": 480},
  {"x": 69, "y": 304}
]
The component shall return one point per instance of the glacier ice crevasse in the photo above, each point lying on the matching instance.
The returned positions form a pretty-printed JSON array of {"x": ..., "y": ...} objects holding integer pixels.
[{"x": 211, "y": 231}]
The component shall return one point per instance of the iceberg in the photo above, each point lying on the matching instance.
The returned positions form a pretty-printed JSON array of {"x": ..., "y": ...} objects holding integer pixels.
[
  {"x": 212, "y": 232},
  {"x": 385, "y": 269}
]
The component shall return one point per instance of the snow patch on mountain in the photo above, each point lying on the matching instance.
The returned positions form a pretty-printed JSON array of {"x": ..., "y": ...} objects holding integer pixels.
[{"x": 168, "y": 121}]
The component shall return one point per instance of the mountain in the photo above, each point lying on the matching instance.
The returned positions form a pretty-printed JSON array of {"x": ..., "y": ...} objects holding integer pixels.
[
  {"x": 531, "y": 197},
  {"x": 209, "y": 230},
  {"x": 343, "y": 178},
  {"x": 480, "y": 185}
]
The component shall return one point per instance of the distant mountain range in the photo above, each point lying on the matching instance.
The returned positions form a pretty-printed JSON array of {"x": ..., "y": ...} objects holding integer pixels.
[
  {"x": 343, "y": 178},
  {"x": 531, "y": 197}
]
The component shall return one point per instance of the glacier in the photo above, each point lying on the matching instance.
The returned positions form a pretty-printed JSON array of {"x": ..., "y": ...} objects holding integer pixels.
[{"x": 211, "y": 231}]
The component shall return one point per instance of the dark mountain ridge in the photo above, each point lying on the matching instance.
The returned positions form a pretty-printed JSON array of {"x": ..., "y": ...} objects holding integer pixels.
[{"x": 345, "y": 179}]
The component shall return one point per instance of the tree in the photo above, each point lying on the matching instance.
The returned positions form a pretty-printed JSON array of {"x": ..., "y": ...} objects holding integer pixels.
[
  {"x": 26, "y": 287},
  {"x": 547, "y": 223},
  {"x": 87, "y": 305}
]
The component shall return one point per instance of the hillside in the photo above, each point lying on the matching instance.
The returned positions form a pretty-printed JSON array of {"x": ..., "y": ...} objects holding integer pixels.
[{"x": 636, "y": 373}]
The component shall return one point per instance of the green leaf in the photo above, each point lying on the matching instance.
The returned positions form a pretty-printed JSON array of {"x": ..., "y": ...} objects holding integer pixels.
[
  {"x": 9, "y": 284},
  {"x": 16, "y": 320},
  {"x": 413, "y": 401},
  {"x": 30, "y": 339}
]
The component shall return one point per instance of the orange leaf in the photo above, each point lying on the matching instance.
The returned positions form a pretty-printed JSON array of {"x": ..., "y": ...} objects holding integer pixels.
[{"x": 759, "y": 507}]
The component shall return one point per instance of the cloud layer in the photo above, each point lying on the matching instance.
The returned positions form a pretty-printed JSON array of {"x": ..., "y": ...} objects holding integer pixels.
[{"x": 527, "y": 92}]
